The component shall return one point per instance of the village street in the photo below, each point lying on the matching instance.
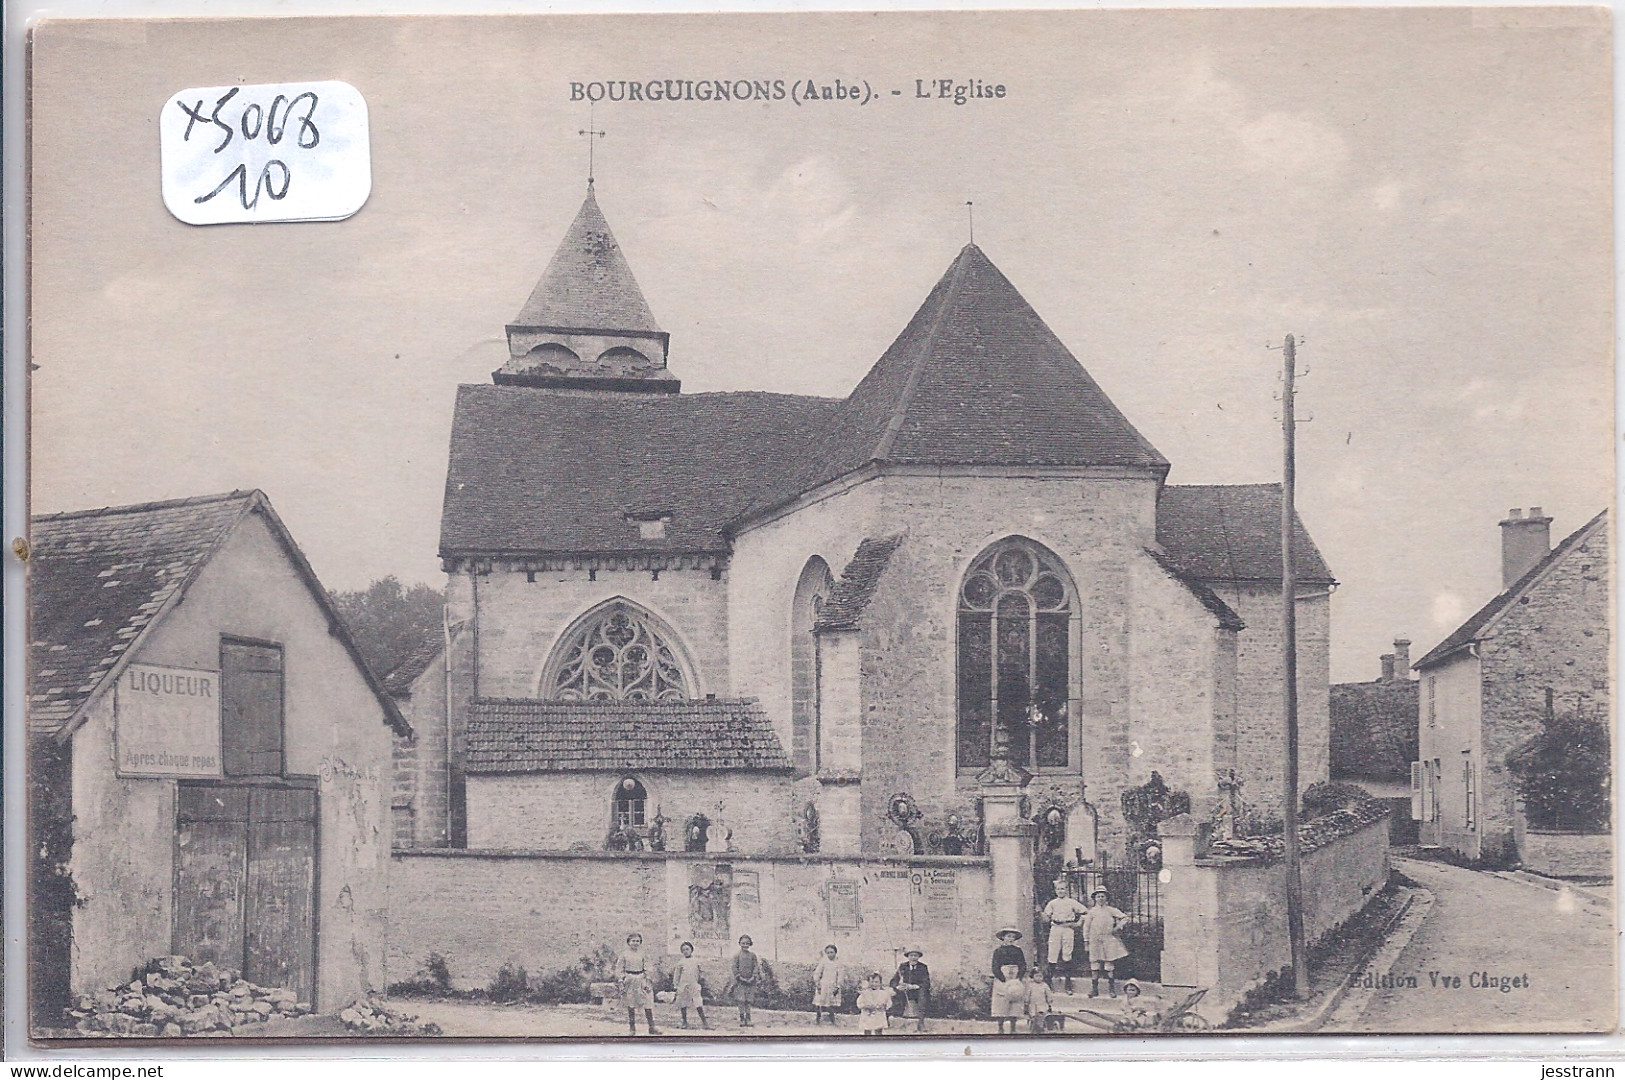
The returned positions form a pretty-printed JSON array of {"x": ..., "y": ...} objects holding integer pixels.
[{"x": 1562, "y": 940}]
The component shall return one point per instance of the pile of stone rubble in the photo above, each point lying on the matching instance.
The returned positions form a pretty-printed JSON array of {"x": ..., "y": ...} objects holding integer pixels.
[
  {"x": 369, "y": 1016},
  {"x": 171, "y": 997}
]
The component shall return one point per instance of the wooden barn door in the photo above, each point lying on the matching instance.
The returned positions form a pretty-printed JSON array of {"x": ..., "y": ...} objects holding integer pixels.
[
  {"x": 245, "y": 881},
  {"x": 280, "y": 942},
  {"x": 211, "y": 873}
]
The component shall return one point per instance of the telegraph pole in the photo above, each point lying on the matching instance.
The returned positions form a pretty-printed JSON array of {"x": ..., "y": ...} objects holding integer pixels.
[{"x": 1289, "y": 689}]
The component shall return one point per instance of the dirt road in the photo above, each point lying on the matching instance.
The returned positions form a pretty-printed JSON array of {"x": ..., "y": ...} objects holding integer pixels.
[{"x": 1497, "y": 954}]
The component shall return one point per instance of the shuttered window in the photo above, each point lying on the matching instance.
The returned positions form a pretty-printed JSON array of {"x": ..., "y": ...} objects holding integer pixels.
[{"x": 251, "y": 707}]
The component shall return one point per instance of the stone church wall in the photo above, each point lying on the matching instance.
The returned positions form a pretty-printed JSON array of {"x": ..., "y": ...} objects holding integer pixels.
[
  {"x": 561, "y": 811},
  {"x": 480, "y": 910},
  {"x": 1260, "y": 713},
  {"x": 419, "y": 800},
  {"x": 520, "y": 621},
  {"x": 1098, "y": 527},
  {"x": 766, "y": 565}
]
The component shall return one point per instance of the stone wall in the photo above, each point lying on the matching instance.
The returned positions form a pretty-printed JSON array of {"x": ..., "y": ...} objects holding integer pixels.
[
  {"x": 1555, "y": 636},
  {"x": 1151, "y": 672},
  {"x": 479, "y": 910},
  {"x": 1567, "y": 855},
  {"x": 420, "y": 800},
  {"x": 560, "y": 811},
  {"x": 1225, "y": 919},
  {"x": 1260, "y": 713}
]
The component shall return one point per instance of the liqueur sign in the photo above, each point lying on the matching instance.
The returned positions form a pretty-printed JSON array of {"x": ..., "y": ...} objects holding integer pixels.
[{"x": 168, "y": 722}]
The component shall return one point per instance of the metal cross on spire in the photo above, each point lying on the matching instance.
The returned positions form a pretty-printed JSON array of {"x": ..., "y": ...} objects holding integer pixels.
[
  {"x": 970, "y": 211},
  {"x": 593, "y": 136}
]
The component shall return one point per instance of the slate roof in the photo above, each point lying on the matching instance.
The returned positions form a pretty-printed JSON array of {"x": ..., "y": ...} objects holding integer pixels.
[
  {"x": 1228, "y": 619},
  {"x": 856, "y": 588},
  {"x": 1374, "y": 729},
  {"x": 1233, "y": 533},
  {"x": 535, "y": 471},
  {"x": 515, "y": 735},
  {"x": 588, "y": 284},
  {"x": 1469, "y": 631},
  {"x": 977, "y": 378},
  {"x": 400, "y": 678},
  {"x": 98, "y": 579}
]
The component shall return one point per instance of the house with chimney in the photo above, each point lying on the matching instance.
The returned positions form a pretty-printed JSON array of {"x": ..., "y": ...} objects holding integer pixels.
[
  {"x": 1373, "y": 736},
  {"x": 1542, "y": 644}
]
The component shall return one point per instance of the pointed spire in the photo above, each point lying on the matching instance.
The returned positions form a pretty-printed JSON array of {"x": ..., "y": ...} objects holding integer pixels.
[
  {"x": 586, "y": 324},
  {"x": 588, "y": 284}
]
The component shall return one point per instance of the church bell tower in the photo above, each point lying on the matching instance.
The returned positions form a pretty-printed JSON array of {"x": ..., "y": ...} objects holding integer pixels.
[{"x": 586, "y": 326}]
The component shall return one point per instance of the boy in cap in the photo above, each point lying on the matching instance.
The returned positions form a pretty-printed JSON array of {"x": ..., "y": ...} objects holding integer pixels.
[{"x": 913, "y": 981}]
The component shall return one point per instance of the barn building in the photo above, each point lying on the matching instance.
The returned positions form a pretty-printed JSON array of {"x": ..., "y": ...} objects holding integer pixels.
[{"x": 210, "y": 758}]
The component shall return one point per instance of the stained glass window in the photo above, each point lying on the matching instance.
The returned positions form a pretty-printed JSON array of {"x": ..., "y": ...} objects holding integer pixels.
[
  {"x": 619, "y": 654},
  {"x": 1014, "y": 657}
]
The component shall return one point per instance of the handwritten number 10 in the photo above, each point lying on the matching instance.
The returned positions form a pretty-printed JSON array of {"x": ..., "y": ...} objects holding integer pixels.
[{"x": 264, "y": 183}]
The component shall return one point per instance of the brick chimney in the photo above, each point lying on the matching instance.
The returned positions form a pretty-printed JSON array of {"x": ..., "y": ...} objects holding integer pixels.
[
  {"x": 1402, "y": 658},
  {"x": 1524, "y": 542},
  {"x": 1387, "y": 659}
]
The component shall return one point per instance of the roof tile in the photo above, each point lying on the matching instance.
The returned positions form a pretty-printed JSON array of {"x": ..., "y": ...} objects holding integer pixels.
[
  {"x": 537, "y": 471},
  {"x": 81, "y": 616},
  {"x": 1232, "y": 532},
  {"x": 515, "y": 735},
  {"x": 856, "y": 588}
]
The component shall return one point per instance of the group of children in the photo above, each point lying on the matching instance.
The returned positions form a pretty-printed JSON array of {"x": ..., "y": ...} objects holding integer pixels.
[{"x": 1017, "y": 993}]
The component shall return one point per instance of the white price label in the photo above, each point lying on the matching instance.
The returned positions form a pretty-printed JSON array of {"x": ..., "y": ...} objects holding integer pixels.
[{"x": 277, "y": 152}]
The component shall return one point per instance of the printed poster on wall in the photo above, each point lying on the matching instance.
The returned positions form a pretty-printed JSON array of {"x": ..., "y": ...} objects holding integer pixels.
[{"x": 167, "y": 722}]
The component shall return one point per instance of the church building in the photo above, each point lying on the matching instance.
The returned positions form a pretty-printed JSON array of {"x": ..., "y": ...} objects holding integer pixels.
[{"x": 771, "y": 624}]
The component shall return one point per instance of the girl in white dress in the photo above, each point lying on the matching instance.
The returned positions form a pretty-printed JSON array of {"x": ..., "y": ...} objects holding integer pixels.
[
  {"x": 685, "y": 982},
  {"x": 826, "y": 986}
]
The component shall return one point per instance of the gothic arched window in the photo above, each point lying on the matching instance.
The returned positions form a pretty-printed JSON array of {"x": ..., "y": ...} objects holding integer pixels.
[
  {"x": 1015, "y": 614},
  {"x": 811, "y": 591},
  {"x": 617, "y": 652}
]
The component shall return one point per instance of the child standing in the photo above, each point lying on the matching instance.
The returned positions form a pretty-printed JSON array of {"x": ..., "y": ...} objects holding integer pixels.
[
  {"x": 747, "y": 975},
  {"x": 826, "y": 986},
  {"x": 913, "y": 981},
  {"x": 1105, "y": 947},
  {"x": 685, "y": 982},
  {"x": 1040, "y": 1002},
  {"x": 636, "y": 990},
  {"x": 874, "y": 1002},
  {"x": 1009, "y": 991}
]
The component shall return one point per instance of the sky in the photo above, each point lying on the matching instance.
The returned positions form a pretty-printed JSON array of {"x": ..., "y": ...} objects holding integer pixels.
[{"x": 1422, "y": 196}]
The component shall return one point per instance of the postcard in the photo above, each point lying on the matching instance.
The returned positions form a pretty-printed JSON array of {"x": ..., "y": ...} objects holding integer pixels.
[{"x": 903, "y": 525}]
